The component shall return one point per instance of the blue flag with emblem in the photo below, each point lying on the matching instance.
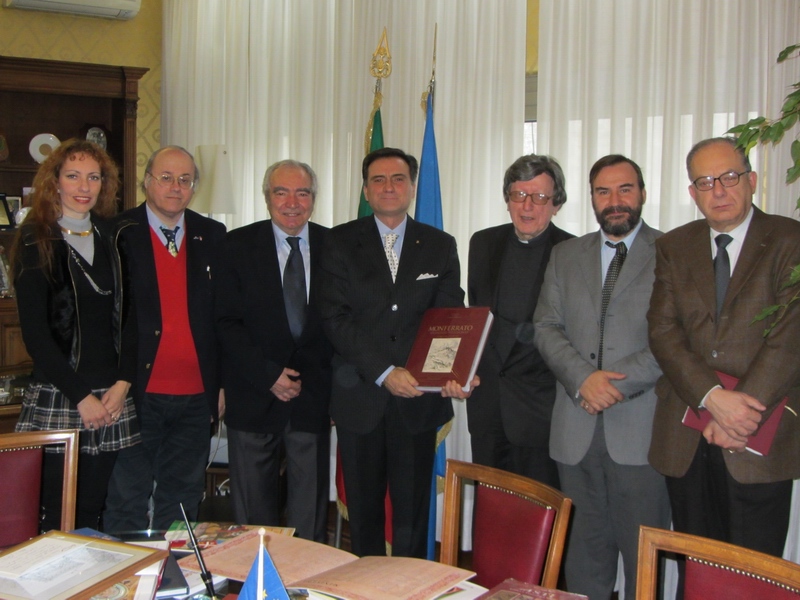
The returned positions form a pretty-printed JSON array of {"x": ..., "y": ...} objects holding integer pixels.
[{"x": 263, "y": 581}]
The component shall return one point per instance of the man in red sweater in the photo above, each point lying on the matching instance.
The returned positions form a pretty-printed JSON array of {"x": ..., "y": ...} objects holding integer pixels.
[{"x": 168, "y": 252}]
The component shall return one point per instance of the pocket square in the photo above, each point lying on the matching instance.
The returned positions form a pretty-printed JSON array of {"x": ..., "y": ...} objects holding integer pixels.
[{"x": 426, "y": 276}]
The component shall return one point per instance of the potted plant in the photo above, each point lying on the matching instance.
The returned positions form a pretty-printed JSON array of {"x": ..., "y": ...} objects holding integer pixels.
[{"x": 761, "y": 130}]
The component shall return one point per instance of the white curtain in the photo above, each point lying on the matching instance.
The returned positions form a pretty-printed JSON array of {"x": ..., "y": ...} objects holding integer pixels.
[
  {"x": 276, "y": 79},
  {"x": 648, "y": 79},
  {"x": 290, "y": 79}
]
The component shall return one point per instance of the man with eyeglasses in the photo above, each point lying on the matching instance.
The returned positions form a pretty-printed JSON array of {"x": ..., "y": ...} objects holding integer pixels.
[
  {"x": 509, "y": 413},
  {"x": 168, "y": 253},
  {"x": 591, "y": 329},
  {"x": 712, "y": 277}
]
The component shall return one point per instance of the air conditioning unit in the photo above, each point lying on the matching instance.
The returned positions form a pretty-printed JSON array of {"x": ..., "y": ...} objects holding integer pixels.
[{"x": 110, "y": 9}]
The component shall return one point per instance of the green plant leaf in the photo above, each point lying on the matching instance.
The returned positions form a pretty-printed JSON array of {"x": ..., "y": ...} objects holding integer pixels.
[
  {"x": 792, "y": 174},
  {"x": 767, "y": 312},
  {"x": 786, "y": 52},
  {"x": 789, "y": 121},
  {"x": 795, "y": 150},
  {"x": 790, "y": 102},
  {"x": 793, "y": 279}
]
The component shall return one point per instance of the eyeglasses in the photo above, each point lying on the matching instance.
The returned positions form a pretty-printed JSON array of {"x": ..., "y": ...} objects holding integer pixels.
[
  {"x": 168, "y": 180},
  {"x": 729, "y": 179},
  {"x": 519, "y": 196}
]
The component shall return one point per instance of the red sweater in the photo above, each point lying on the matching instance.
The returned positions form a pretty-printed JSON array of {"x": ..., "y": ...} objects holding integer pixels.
[{"x": 176, "y": 369}]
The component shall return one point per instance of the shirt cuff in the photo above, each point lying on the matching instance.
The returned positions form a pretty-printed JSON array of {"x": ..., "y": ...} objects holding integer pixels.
[
  {"x": 379, "y": 381},
  {"x": 703, "y": 401}
]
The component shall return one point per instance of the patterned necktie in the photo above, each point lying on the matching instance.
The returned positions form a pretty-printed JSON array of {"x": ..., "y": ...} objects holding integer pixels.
[
  {"x": 722, "y": 268},
  {"x": 391, "y": 256},
  {"x": 170, "y": 234},
  {"x": 294, "y": 288},
  {"x": 608, "y": 286}
]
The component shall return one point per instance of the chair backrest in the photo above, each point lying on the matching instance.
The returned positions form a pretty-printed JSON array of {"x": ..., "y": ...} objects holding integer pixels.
[
  {"x": 519, "y": 525},
  {"x": 715, "y": 569},
  {"x": 21, "y": 476}
]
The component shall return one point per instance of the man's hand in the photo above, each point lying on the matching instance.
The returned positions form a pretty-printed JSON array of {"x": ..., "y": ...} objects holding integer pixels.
[
  {"x": 716, "y": 435},
  {"x": 452, "y": 389},
  {"x": 599, "y": 393},
  {"x": 737, "y": 413},
  {"x": 401, "y": 383},
  {"x": 285, "y": 388}
]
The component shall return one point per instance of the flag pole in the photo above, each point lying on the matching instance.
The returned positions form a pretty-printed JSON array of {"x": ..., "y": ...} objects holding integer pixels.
[{"x": 380, "y": 68}]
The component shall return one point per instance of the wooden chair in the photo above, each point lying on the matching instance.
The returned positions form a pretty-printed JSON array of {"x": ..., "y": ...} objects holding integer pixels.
[
  {"x": 519, "y": 526},
  {"x": 21, "y": 457},
  {"x": 715, "y": 569}
]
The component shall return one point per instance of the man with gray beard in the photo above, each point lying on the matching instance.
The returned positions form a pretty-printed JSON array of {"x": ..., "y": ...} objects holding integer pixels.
[{"x": 591, "y": 329}]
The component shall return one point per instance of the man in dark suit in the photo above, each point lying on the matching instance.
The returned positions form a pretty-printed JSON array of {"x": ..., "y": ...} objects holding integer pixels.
[
  {"x": 712, "y": 277},
  {"x": 380, "y": 274},
  {"x": 509, "y": 414},
  {"x": 168, "y": 252},
  {"x": 591, "y": 328},
  {"x": 276, "y": 358}
]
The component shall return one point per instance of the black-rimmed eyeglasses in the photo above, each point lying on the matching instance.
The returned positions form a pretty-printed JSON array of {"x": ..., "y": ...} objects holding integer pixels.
[{"x": 729, "y": 179}]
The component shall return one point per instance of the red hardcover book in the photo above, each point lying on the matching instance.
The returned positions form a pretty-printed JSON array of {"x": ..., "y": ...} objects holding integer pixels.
[
  {"x": 761, "y": 442},
  {"x": 512, "y": 589},
  {"x": 449, "y": 346}
]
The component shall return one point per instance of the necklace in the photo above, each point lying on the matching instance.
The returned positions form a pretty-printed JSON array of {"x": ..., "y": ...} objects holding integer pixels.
[
  {"x": 86, "y": 233},
  {"x": 95, "y": 287}
]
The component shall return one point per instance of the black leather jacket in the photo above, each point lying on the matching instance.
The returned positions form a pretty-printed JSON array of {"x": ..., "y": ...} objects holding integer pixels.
[{"x": 62, "y": 308}]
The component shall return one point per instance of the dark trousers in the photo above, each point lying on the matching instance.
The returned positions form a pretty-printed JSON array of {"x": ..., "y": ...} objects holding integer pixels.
[
  {"x": 708, "y": 502},
  {"x": 388, "y": 455},
  {"x": 255, "y": 462},
  {"x": 173, "y": 454},
  {"x": 94, "y": 472}
]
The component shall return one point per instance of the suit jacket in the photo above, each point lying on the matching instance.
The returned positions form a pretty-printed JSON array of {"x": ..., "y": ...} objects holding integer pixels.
[
  {"x": 690, "y": 345},
  {"x": 512, "y": 371},
  {"x": 372, "y": 322},
  {"x": 568, "y": 336},
  {"x": 256, "y": 341},
  {"x": 201, "y": 242}
]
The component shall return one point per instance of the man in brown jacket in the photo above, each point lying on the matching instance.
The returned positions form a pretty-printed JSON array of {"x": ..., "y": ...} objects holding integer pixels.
[{"x": 712, "y": 277}]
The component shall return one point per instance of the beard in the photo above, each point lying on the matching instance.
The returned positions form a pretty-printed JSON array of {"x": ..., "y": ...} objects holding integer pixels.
[{"x": 619, "y": 228}]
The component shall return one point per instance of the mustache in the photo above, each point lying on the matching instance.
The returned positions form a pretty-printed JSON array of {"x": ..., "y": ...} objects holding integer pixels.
[{"x": 617, "y": 209}]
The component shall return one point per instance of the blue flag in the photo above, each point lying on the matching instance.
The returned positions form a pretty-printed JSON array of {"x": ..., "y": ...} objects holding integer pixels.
[
  {"x": 429, "y": 192},
  {"x": 272, "y": 587},
  {"x": 429, "y": 211}
]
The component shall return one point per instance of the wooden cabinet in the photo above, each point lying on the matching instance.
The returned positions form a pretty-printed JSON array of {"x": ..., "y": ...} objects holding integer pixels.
[
  {"x": 65, "y": 99},
  {"x": 15, "y": 359}
]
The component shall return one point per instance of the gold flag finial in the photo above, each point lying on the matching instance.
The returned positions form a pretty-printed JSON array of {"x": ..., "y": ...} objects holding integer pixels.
[
  {"x": 381, "y": 65},
  {"x": 380, "y": 68}
]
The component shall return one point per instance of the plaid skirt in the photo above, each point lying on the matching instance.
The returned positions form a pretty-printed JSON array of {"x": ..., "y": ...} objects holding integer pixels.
[{"x": 44, "y": 408}]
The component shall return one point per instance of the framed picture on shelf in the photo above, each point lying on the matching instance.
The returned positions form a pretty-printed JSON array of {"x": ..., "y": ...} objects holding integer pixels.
[
  {"x": 6, "y": 216},
  {"x": 6, "y": 289},
  {"x": 14, "y": 204}
]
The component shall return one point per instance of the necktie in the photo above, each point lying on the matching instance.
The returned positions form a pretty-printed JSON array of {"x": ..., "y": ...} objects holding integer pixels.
[
  {"x": 608, "y": 286},
  {"x": 391, "y": 256},
  {"x": 172, "y": 246},
  {"x": 294, "y": 288},
  {"x": 722, "y": 268}
]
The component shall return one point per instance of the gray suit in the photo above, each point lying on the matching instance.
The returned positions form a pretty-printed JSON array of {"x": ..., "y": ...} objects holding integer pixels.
[{"x": 602, "y": 458}]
